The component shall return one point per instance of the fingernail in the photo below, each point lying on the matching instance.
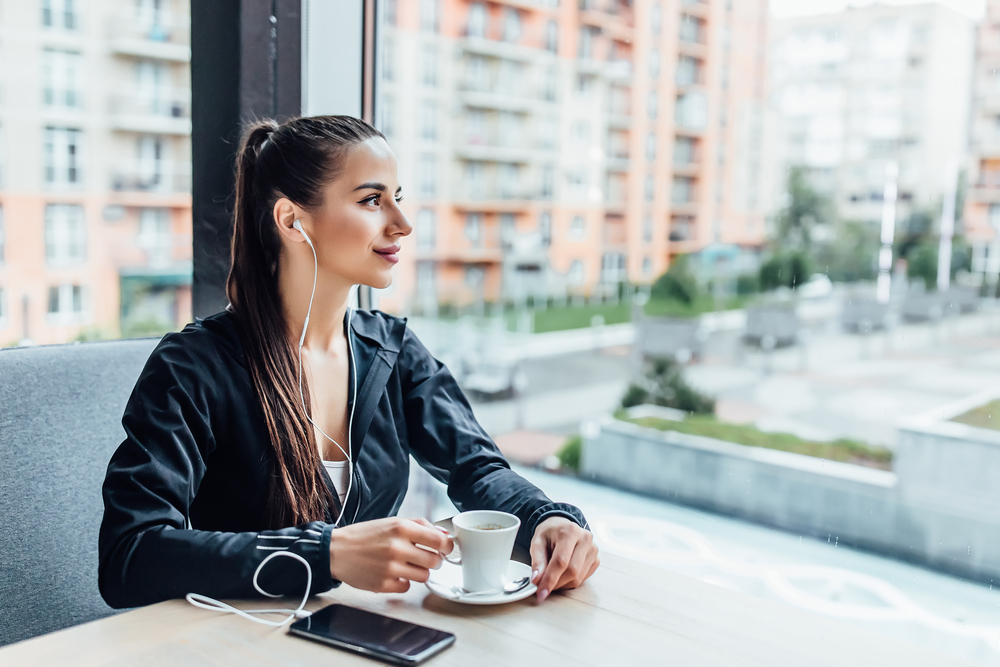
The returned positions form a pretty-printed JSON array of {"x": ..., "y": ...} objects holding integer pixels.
[
  {"x": 542, "y": 594},
  {"x": 534, "y": 577}
]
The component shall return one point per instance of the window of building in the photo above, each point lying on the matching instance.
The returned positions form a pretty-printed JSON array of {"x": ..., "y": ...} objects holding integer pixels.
[
  {"x": 65, "y": 234},
  {"x": 62, "y": 156},
  {"x": 474, "y": 277},
  {"x": 684, "y": 150},
  {"x": 585, "y": 85},
  {"x": 552, "y": 36},
  {"x": 428, "y": 120},
  {"x": 580, "y": 131},
  {"x": 508, "y": 228},
  {"x": 647, "y": 266},
  {"x": 388, "y": 59},
  {"x": 510, "y": 180},
  {"x": 652, "y": 105},
  {"x": 3, "y": 308},
  {"x": 474, "y": 228},
  {"x": 654, "y": 63},
  {"x": 548, "y": 181},
  {"x": 691, "y": 110},
  {"x": 575, "y": 275},
  {"x": 430, "y": 66},
  {"x": 648, "y": 189},
  {"x": 156, "y": 236},
  {"x": 692, "y": 29},
  {"x": 426, "y": 229},
  {"x": 477, "y": 74},
  {"x": 577, "y": 227},
  {"x": 613, "y": 267},
  {"x": 548, "y": 129},
  {"x": 650, "y": 146},
  {"x": 387, "y": 116},
  {"x": 60, "y": 14},
  {"x": 511, "y": 25},
  {"x": 429, "y": 15},
  {"x": 682, "y": 191},
  {"x": 510, "y": 128},
  {"x": 576, "y": 181},
  {"x": 61, "y": 72},
  {"x": 688, "y": 71},
  {"x": 475, "y": 127},
  {"x": 656, "y": 18},
  {"x": 66, "y": 303},
  {"x": 585, "y": 49},
  {"x": 475, "y": 180},
  {"x": 477, "y": 21},
  {"x": 428, "y": 175},
  {"x": 545, "y": 226},
  {"x": 391, "y": 16},
  {"x": 550, "y": 85},
  {"x": 647, "y": 229}
]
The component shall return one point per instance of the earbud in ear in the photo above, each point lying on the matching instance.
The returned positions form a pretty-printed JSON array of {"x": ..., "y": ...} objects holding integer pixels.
[{"x": 297, "y": 225}]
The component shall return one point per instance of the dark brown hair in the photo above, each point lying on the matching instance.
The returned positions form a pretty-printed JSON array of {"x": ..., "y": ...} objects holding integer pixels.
[{"x": 295, "y": 159}]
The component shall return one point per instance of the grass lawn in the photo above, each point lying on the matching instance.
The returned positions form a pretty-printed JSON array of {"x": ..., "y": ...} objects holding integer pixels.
[
  {"x": 847, "y": 451},
  {"x": 702, "y": 304},
  {"x": 981, "y": 416}
]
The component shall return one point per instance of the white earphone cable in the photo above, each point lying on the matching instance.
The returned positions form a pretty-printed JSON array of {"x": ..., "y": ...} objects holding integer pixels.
[{"x": 211, "y": 604}]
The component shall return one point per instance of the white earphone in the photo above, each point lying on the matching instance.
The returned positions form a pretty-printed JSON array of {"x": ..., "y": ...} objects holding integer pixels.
[{"x": 354, "y": 375}]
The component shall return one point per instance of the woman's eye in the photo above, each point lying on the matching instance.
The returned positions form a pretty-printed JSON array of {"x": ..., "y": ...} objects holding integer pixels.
[
  {"x": 370, "y": 200},
  {"x": 399, "y": 199}
]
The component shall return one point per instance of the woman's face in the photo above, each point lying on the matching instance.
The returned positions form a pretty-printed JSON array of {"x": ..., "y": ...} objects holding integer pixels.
[{"x": 357, "y": 229}]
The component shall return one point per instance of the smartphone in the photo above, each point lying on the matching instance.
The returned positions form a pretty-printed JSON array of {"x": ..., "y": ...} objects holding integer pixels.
[{"x": 372, "y": 635}]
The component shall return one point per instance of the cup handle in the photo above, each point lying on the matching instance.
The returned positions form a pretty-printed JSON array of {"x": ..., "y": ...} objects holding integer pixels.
[{"x": 456, "y": 560}]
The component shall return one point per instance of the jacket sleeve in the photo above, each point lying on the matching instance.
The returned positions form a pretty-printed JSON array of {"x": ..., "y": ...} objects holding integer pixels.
[
  {"x": 147, "y": 552},
  {"x": 449, "y": 443}
]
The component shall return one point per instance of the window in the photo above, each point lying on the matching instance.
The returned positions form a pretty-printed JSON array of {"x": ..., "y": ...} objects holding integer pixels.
[
  {"x": 586, "y": 46},
  {"x": 387, "y": 116},
  {"x": 682, "y": 191},
  {"x": 156, "y": 236},
  {"x": 691, "y": 111},
  {"x": 474, "y": 277},
  {"x": 150, "y": 170},
  {"x": 654, "y": 63},
  {"x": 548, "y": 181},
  {"x": 65, "y": 303},
  {"x": 545, "y": 226},
  {"x": 613, "y": 267},
  {"x": 688, "y": 71},
  {"x": 511, "y": 25},
  {"x": 647, "y": 266},
  {"x": 59, "y": 14},
  {"x": 692, "y": 29},
  {"x": 550, "y": 85},
  {"x": 576, "y": 180},
  {"x": 548, "y": 128},
  {"x": 656, "y": 19},
  {"x": 647, "y": 229},
  {"x": 3, "y": 308},
  {"x": 552, "y": 36},
  {"x": 62, "y": 156},
  {"x": 426, "y": 229},
  {"x": 430, "y": 66},
  {"x": 508, "y": 228},
  {"x": 577, "y": 228},
  {"x": 477, "y": 74},
  {"x": 477, "y": 22},
  {"x": 429, "y": 11},
  {"x": 650, "y": 146},
  {"x": 575, "y": 274},
  {"x": 391, "y": 12},
  {"x": 580, "y": 131},
  {"x": 648, "y": 189},
  {"x": 475, "y": 180},
  {"x": 474, "y": 228},
  {"x": 428, "y": 175},
  {"x": 510, "y": 177},
  {"x": 61, "y": 78},
  {"x": 428, "y": 120},
  {"x": 509, "y": 77},
  {"x": 683, "y": 150},
  {"x": 475, "y": 127},
  {"x": 65, "y": 234},
  {"x": 510, "y": 129},
  {"x": 388, "y": 60},
  {"x": 652, "y": 105}
]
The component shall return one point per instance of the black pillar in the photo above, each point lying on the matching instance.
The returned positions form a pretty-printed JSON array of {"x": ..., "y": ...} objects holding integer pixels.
[{"x": 246, "y": 63}]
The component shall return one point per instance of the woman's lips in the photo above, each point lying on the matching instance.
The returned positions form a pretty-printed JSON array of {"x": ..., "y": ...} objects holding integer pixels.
[{"x": 388, "y": 253}]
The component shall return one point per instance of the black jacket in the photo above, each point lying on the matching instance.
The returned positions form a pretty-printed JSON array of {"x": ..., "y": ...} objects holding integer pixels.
[{"x": 185, "y": 493}]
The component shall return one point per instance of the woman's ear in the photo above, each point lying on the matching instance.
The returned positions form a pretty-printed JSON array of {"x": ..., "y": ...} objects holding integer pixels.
[{"x": 285, "y": 215}]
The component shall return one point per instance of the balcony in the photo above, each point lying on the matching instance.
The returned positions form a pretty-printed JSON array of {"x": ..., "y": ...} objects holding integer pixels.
[
  {"x": 166, "y": 113},
  {"x": 509, "y": 50},
  {"x": 494, "y": 153},
  {"x": 501, "y": 101},
  {"x": 140, "y": 38},
  {"x": 157, "y": 178}
]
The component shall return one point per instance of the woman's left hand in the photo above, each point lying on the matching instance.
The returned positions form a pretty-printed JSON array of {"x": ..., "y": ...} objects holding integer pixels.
[{"x": 563, "y": 555}]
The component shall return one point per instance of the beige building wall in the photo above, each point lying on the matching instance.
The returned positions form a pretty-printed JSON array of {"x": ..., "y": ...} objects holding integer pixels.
[
  {"x": 981, "y": 218},
  {"x": 117, "y": 73}
]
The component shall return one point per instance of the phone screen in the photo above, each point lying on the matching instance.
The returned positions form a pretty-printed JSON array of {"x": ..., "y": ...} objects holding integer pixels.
[{"x": 369, "y": 633}]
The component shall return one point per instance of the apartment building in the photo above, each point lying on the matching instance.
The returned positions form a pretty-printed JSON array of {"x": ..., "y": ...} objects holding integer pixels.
[
  {"x": 555, "y": 149},
  {"x": 981, "y": 219},
  {"x": 861, "y": 89},
  {"x": 95, "y": 204}
]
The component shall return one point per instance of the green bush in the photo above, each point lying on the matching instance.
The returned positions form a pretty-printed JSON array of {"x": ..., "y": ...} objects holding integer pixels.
[
  {"x": 677, "y": 284},
  {"x": 747, "y": 283},
  {"x": 664, "y": 384},
  {"x": 784, "y": 270},
  {"x": 569, "y": 454}
]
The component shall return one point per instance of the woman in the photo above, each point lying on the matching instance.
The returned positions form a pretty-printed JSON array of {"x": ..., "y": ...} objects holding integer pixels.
[{"x": 223, "y": 464}]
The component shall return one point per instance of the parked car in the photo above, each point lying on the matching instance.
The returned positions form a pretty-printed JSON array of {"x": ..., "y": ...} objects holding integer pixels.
[{"x": 491, "y": 378}]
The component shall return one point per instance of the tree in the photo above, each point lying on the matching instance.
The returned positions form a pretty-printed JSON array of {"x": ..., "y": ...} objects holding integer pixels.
[
  {"x": 677, "y": 284},
  {"x": 788, "y": 269},
  {"x": 805, "y": 208}
]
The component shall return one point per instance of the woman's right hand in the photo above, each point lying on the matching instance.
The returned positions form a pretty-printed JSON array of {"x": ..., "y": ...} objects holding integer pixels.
[{"x": 383, "y": 556}]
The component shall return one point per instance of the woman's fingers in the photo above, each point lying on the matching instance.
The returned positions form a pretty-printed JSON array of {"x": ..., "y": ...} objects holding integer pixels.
[
  {"x": 579, "y": 565},
  {"x": 539, "y": 551},
  {"x": 562, "y": 554},
  {"x": 424, "y": 532}
]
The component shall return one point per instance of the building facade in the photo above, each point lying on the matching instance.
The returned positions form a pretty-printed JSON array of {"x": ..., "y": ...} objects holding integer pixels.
[
  {"x": 95, "y": 176},
  {"x": 553, "y": 149},
  {"x": 858, "y": 90}
]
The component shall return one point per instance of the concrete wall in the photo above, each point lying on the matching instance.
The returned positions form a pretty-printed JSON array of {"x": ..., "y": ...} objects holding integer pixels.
[{"x": 938, "y": 508}]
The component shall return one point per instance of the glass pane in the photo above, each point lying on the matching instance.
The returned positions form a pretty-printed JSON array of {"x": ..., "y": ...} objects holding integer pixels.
[
  {"x": 739, "y": 255},
  {"x": 95, "y": 173}
]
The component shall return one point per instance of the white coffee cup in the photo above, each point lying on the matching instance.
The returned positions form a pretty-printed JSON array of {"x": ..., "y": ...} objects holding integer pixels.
[{"x": 485, "y": 539}]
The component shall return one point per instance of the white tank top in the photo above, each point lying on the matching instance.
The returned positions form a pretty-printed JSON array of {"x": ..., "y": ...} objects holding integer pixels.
[{"x": 339, "y": 473}]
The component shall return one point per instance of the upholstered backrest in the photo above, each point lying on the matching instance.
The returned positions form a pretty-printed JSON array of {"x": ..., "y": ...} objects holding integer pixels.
[{"x": 60, "y": 421}]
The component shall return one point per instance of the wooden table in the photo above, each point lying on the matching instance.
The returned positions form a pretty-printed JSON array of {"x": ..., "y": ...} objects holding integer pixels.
[{"x": 628, "y": 613}]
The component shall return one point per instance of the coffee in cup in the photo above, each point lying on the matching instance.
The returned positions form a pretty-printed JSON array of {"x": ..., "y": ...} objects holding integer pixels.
[{"x": 486, "y": 541}]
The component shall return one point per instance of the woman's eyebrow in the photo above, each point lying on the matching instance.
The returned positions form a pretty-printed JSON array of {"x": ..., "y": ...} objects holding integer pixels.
[{"x": 371, "y": 186}]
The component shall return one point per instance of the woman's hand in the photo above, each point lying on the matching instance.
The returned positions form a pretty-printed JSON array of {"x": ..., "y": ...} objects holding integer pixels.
[
  {"x": 383, "y": 555},
  {"x": 563, "y": 555}
]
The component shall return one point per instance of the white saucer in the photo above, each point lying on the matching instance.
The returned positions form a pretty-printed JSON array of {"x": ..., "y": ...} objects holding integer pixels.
[{"x": 442, "y": 581}]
